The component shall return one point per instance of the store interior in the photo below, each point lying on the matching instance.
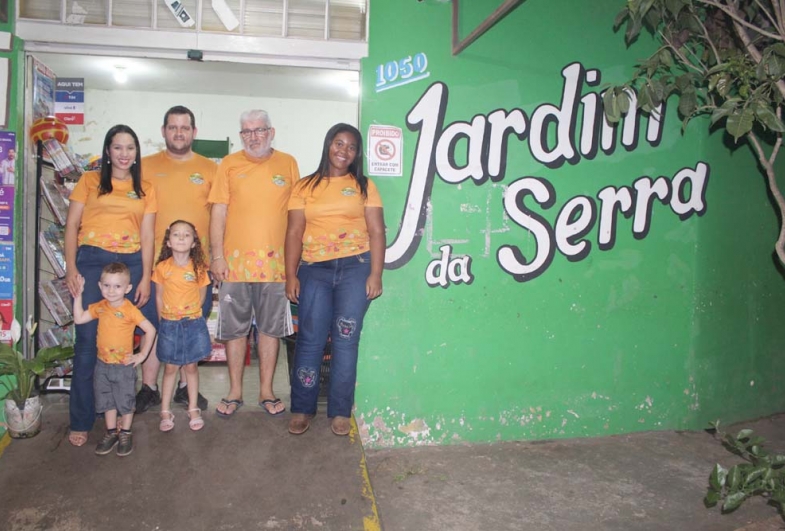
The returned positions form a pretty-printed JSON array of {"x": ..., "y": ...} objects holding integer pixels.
[{"x": 302, "y": 102}]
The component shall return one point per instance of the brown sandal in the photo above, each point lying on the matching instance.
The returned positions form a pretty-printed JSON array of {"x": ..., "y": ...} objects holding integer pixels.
[{"x": 77, "y": 438}]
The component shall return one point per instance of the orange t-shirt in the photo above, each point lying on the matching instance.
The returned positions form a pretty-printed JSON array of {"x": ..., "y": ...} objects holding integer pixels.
[
  {"x": 180, "y": 290},
  {"x": 116, "y": 329},
  {"x": 112, "y": 221},
  {"x": 182, "y": 188},
  {"x": 334, "y": 217},
  {"x": 256, "y": 192}
]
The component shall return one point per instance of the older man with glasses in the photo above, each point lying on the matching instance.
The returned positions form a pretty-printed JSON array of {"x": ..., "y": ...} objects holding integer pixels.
[{"x": 247, "y": 230}]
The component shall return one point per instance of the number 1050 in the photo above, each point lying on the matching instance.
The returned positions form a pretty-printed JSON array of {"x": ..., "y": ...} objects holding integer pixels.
[{"x": 399, "y": 72}]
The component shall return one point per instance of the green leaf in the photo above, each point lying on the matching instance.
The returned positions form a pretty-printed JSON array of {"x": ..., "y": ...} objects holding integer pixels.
[
  {"x": 777, "y": 460},
  {"x": 734, "y": 478},
  {"x": 610, "y": 106},
  {"x": 674, "y": 6},
  {"x": 658, "y": 91},
  {"x": 688, "y": 103},
  {"x": 620, "y": 18},
  {"x": 754, "y": 475},
  {"x": 739, "y": 123},
  {"x": 633, "y": 30},
  {"x": 712, "y": 498},
  {"x": 623, "y": 101},
  {"x": 778, "y": 49},
  {"x": 733, "y": 501},
  {"x": 778, "y": 496},
  {"x": 666, "y": 58},
  {"x": 684, "y": 82},
  {"x": 717, "y": 477},
  {"x": 644, "y": 98},
  {"x": 722, "y": 67},
  {"x": 766, "y": 115},
  {"x": 743, "y": 434},
  {"x": 644, "y": 7}
]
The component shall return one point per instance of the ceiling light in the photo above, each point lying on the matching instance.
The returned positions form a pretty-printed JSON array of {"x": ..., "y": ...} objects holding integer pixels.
[{"x": 120, "y": 74}]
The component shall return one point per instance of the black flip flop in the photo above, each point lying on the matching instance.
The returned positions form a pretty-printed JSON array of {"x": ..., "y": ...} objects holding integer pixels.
[
  {"x": 274, "y": 402},
  {"x": 236, "y": 403}
]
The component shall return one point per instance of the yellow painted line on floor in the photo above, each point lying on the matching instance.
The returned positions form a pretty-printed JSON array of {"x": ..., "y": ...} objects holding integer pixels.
[
  {"x": 6, "y": 440},
  {"x": 370, "y": 523}
]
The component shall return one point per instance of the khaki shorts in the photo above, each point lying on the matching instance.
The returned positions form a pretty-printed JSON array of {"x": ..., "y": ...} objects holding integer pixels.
[{"x": 240, "y": 303}]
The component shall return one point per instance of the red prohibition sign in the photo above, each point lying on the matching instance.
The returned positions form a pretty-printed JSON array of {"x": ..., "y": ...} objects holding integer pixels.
[{"x": 385, "y": 150}]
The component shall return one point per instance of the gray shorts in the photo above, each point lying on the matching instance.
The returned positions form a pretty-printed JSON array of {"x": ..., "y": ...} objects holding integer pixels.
[
  {"x": 115, "y": 387},
  {"x": 240, "y": 302}
]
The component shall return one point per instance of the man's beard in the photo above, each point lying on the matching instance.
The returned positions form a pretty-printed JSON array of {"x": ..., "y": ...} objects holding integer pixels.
[
  {"x": 260, "y": 152},
  {"x": 178, "y": 151}
]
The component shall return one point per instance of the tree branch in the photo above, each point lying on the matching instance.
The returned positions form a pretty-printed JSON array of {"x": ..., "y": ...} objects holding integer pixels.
[
  {"x": 733, "y": 13},
  {"x": 709, "y": 40},
  {"x": 686, "y": 62},
  {"x": 753, "y": 50},
  {"x": 769, "y": 16},
  {"x": 771, "y": 177}
]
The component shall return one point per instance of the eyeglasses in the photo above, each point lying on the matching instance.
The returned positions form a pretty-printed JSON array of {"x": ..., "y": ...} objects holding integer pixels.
[{"x": 261, "y": 131}]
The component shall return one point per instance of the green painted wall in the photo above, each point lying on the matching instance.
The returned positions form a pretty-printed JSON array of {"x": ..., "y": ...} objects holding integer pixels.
[
  {"x": 667, "y": 330},
  {"x": 13, "y": 96}
]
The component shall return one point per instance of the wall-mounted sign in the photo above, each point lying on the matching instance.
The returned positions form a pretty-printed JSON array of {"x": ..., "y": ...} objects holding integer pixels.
[
  {"x": 43, "y": 90},
  {"x": 69, "y": 100},
  {"x": 6, "y": 271},
  {"x": 6, "y": 213},
  {"x": 7, "y": 158},
  {"x": 385, "y": 144}
]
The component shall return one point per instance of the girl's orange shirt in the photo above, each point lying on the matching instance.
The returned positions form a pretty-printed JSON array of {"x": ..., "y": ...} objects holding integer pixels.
[
  {"x": 181, "y": 298},
  {"x": 112, "y": 221}
]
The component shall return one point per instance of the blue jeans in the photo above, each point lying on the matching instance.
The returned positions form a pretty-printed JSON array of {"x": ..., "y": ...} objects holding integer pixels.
[
  {"x": 90, "y": 261},
  {"x": 332, "y": 302}
]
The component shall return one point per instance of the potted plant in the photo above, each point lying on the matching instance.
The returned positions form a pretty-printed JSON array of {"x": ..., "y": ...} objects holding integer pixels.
[{"x": 22, "y": 406}]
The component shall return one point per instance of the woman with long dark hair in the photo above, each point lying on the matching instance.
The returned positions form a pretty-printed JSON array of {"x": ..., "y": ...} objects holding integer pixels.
[
  {"x": 111, "y": 218},
  {"x": 334, "y": 255}
]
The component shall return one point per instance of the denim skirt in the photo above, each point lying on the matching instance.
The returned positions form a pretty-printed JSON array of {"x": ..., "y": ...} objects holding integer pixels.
[{"x": 184, "y": 341}]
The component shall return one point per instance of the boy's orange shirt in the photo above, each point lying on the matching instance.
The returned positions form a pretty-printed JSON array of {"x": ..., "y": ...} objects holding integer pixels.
[
  {"x": 182, "y": 188},
  {"x": 334, "y": 217},
  {"x": 112, "y": 221},
  {"x": 116, "y": 329},
  {"x": 256, "y": 192},
  {"x": 181, "y": 298}
]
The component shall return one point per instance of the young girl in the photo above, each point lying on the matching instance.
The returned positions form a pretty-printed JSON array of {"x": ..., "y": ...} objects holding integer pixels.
[{"x": 181, "y": 286}]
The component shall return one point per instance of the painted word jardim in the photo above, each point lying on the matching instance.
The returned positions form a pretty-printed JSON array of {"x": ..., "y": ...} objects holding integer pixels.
[{"x": 486, "y": 141}]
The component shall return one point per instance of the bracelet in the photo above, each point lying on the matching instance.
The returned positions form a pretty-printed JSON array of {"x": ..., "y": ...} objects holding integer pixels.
[{"x": 217, "y": 258}]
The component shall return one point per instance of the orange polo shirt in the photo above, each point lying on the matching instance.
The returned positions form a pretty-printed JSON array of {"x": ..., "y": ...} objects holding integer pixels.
[
  {"x": 182, "y": 188},
  {"x": 116, "y": 329},
  {"x": 181, "y": 298},
  {"x": 334, "y": 217},
  {"x": 112, "y": 221},
  {"x": 257, "y": 193}
]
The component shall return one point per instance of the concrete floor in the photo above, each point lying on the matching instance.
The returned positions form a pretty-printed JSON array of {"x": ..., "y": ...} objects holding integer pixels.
[
  {"x": 248, "y": 473},
  {"x": 643, "y": 481}
]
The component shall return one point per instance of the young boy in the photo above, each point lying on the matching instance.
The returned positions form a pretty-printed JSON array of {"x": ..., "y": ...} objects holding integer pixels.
[{"x": 115, "y": 369}]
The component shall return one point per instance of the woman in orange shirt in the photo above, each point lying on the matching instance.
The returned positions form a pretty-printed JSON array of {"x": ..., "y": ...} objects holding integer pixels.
[
  {"x": 334, "y": 256},
  {"x": 111, "y": 218}
]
